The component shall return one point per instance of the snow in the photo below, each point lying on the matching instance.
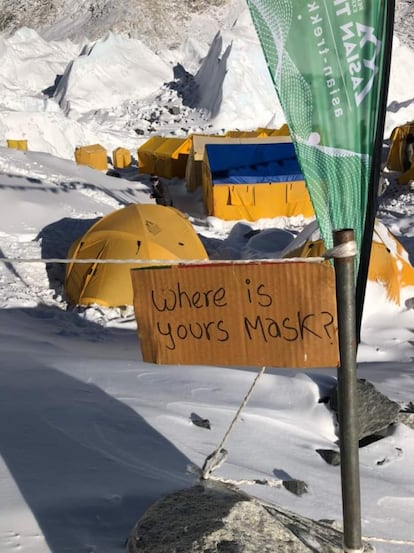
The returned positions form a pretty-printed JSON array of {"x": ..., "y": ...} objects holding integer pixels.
[{"x": 90, "y": 435}]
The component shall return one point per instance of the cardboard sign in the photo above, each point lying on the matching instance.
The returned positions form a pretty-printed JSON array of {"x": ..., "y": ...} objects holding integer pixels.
[{"x": 245, "y": 314}]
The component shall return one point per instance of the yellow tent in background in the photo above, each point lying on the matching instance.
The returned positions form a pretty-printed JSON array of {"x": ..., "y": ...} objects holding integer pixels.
[
  {"x": 93, "y": 156},
  {"x": 17, "y": 144},
  {"x": 164, "y": 156},
  {"x": 146, "y": 159},
  {"x": 260, "y": 132},
  {"x": 246, "y": 134},
  {"x": 398, "y": 158},
  {"x": 121, "y": 158},
  {"x": 171, "y": 157},
  {"x": 282, "y": 131},
  {"x": 389, "y": 263},
  {"x": 254, "y": 180},
  {"x": 138, "y": 231}
]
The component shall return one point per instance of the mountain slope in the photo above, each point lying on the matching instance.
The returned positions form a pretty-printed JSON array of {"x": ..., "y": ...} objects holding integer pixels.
[{"x": 158, "y": 23}]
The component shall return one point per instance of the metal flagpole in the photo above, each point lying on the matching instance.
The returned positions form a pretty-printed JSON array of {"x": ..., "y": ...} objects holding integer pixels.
[{"x": 347, "y": 395}]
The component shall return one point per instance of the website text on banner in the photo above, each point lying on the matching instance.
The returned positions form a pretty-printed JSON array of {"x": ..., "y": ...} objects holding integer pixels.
[{"x": 329, "y": 61}]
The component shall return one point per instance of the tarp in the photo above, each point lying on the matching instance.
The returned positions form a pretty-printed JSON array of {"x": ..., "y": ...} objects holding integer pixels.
[
  {"x": 138, "y": 231},
  {"x": 193, "y": 174},
  {"x": 253, "y": 163},
  {"x": 254, "y": 181}
]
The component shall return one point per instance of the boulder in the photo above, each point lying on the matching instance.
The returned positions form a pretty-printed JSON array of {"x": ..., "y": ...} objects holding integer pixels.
[
  {"x": 214, "y": 518},
  {"x": 376, "y": 412}
]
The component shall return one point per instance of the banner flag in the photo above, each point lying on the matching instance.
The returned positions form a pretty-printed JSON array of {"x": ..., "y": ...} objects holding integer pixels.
[{"x": 329, "y": 61}]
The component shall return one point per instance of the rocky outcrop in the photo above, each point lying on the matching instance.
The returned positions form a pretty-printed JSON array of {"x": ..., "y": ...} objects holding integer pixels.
[
  {"x": 376, "y": 412},
  {"x": 211, "y": 518},
  {"x": 157, "y": 23}
]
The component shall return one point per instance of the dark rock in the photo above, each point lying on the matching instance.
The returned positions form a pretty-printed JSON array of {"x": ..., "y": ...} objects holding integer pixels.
[
  {"x": 376, "y": 412},
  {"x": 113, "y": 173},
  {"x": 297, "y": 487},
  {"x": 331, "y": 456},
  {"x": 174, "y": 110},
  {"x": 198, "y": 421}
]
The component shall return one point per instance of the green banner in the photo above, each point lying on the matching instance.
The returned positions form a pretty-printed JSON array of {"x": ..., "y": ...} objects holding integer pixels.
[{"x": 326, "y": 59}]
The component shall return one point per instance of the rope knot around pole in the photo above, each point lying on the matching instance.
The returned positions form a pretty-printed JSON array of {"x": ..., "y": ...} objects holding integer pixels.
[{"x": 347, "y": 249}]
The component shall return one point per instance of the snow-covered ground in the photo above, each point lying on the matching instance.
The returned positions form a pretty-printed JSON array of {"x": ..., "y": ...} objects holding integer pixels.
[{"x": 90, "y": 435}]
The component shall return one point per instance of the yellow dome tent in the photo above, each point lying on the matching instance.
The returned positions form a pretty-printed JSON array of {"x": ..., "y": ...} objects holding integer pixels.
[
  {"x": 389, "y": 263},
  {"x": 138, "y": 231}
]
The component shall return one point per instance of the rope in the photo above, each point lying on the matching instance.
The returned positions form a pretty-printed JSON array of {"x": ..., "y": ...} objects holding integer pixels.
[
  {"x": 342, "y": 250},
  {"x": 215, "y": 459},
  {"x": 388, "y": 540},
  {"x": 97, "y": 261},
  {"x": 262, "y": 482},
  {"x": 156, "y": 261}
]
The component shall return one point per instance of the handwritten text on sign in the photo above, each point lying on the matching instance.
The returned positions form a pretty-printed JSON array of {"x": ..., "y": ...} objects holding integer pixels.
[{"x": 274, "y": 314}]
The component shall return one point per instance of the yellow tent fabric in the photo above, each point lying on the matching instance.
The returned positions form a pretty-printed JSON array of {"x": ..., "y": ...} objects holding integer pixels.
[
  {"x": 145, "y": 154},
  {"x": 260, "y": 132},
  {"x": 93, "y": 156},
  {"x": 397, "y": 159},
  {"x": 121, "y": 158},
  {"x": 138, "y": 231},
  {"x": 164, "y": 156},
  {"x": 171, "y": 158},
  {"x": 389, "y": 263},
  {"x": 282, "y": 131},
  {"x": 246, "y": 134},
  {"x": 194, "y": 169},
  {"x": 251, "y": 202},
  {"x": 406, "y": 177},
  {"x": 17, "y": 144}
]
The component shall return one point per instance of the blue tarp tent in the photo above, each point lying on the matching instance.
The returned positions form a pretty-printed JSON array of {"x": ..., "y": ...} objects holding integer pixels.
[{"x": 252, "y": 181}]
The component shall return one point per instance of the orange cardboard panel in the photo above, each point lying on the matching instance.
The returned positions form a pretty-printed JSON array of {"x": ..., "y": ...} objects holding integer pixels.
[{"x": 245, "y": 314}]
